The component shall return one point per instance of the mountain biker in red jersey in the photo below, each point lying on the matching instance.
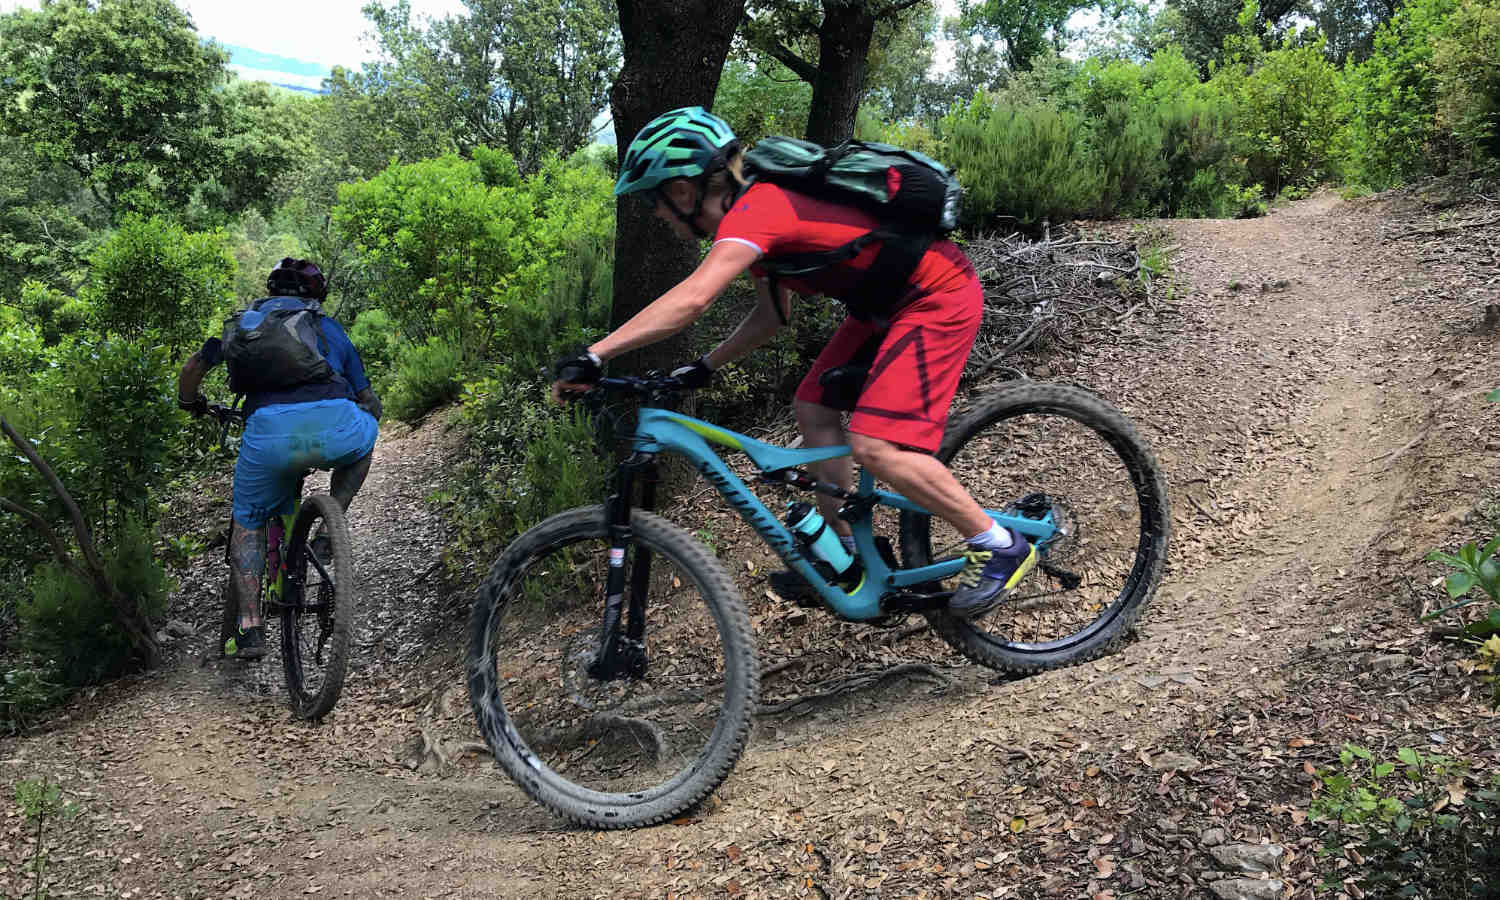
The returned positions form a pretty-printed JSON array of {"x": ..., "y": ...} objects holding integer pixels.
[{"x": 688, "y": 165}]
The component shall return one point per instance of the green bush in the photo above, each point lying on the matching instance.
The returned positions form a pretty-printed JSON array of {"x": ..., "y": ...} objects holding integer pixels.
[
  {"x": 1289, "y": 115},
  {"x": 1023, "y": 162},
  {"x": 378, "y": 341},
  {"x": 1390, "y": 101},
  {"x": 27, "y": 690},
  {"x": 527, "y": 460},
  {"x": 70, "y": 626},
  {"x": 427, "y": 376},
  {"x": 470, "y": 251},
  {"x": 1385, "y": 819},
  {"x": 151, "y": 280},
  {"x": 1466, "y": 63},
  {"x": 1201, "y": 175}
]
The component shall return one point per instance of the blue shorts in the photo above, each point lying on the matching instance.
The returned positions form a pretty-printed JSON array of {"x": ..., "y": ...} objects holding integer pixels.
[{"x": 281, "y": 442}]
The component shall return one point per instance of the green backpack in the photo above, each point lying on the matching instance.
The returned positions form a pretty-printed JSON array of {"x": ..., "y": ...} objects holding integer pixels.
[{"x": 915, "y": 198}]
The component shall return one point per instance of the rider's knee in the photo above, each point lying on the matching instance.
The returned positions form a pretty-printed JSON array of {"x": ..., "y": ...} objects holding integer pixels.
[{"x": 871, "y": 452}]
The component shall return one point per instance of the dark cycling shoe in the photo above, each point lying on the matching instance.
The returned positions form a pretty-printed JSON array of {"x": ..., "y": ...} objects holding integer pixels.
[
  {"x": 247, "y": 643},
  {"x": 989, "y": 576}
]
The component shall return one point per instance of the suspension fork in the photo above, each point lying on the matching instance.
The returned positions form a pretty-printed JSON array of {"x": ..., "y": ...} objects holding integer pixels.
[{"x": 622, "y": 652}]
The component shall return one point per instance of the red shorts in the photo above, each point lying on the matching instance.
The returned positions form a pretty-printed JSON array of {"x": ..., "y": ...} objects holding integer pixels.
[{"x": 914, "y": 368}]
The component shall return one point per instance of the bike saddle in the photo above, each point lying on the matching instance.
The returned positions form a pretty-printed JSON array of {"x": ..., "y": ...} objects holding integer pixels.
[{"x": 844, "y": 384}]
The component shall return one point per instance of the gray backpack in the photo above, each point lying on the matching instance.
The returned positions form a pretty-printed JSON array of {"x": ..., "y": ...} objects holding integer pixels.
[{"x": 276, "y": 350}]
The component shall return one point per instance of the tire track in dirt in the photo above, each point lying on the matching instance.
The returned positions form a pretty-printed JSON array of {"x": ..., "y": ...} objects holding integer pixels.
[{"x": 1268, "y": 399}]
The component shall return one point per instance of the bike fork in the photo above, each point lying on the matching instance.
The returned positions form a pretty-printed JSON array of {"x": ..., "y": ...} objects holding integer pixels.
[{"x": 622, "y": 652}]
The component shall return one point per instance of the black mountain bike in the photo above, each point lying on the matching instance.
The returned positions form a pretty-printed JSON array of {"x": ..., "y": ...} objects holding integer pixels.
[{"x": 309, "y": 589}]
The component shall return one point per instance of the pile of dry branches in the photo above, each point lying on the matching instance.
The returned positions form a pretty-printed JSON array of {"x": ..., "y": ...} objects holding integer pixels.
[{"x": 1050, "y": 292}]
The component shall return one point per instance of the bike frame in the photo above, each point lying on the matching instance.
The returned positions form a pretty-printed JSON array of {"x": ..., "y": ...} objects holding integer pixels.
[{"x": 661, "y": 430}]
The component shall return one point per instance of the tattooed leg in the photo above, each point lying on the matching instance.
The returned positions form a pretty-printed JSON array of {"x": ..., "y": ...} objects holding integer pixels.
[
  {"x": 247, "y": 561},
  {"x": 347, "y": 481}
]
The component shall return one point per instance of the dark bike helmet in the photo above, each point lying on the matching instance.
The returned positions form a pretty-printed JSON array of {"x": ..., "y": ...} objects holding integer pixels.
[
  {"x": 297, "y": 278},
  {"x": 683, "y": 143}
]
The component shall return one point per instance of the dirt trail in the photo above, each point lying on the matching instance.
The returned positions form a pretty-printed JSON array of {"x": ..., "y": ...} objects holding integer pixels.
[{"x": 1279, "y": 391}]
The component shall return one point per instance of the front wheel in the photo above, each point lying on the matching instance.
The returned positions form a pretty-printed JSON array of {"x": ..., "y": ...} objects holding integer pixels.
[
  {"x": 640, "y": 745},
  {"x": 316, "y": 626},
  {"x": 1060, "y": 453}
]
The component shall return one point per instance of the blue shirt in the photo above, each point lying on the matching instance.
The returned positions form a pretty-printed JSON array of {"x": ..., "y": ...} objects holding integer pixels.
[{"x": 349, "y": 370}]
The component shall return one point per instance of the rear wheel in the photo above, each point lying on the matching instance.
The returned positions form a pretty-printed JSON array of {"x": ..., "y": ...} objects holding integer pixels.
[
  {"x": 316, "y": 626},
  {"x": 637, "y": 748},
  {"x": 1047, "y": 449}
]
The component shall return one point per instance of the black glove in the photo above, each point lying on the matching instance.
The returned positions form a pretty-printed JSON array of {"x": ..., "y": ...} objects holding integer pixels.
[
  {"x": 198, "y": 406},
  {"x": 369, "y": 401},
  {"x": 581, "y": 369},
  {"x": 695, "y": 374}
]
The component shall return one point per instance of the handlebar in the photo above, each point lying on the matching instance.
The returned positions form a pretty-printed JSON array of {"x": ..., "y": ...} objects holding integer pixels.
[
  {"x": 225, "y": 414},
  {"x": 653, "y": 387}
]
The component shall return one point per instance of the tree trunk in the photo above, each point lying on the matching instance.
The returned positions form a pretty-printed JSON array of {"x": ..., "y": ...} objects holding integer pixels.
[
  {"x": 673, "y": 52},
  {"x": 843, "y": 50}
]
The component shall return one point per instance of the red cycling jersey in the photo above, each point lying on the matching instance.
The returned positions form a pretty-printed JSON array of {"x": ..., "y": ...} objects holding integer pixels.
[
  {"x": 778, "y": 222},
  {"x": 915, "y": 359}
]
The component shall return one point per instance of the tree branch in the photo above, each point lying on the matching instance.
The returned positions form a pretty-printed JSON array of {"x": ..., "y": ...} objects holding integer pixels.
[
  {"x": 895, "y": 8},
  {"x": 80, "y": 527},
  {"x": 58, "y": 547},
  {"x": 784, "y": 55}
]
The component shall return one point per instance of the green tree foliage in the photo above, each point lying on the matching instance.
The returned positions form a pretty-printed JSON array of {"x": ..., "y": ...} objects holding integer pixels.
[
  {"x": 1200, "y": 27},
  {"x": 1466, "y": 63},
  {"x": 42, "y": 233},
  {"x": 1348, "y": 25},
  {"x": 526, "y": 76},
  {"x": 1027, "y": 28},
  {"x": 472, "y": 252},
  {"x": 154, "y": 281},
  {"x": 1392, "y": 100},
  {"x": 122, "y": 92},
  {"x": 760, "y": 98},
  {"x": 828, "y": 44},
  {"x": 1023, "y": 162}
]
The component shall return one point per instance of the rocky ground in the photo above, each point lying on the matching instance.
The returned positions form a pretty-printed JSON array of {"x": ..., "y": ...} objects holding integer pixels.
[{"x": 1313, "y": 383}]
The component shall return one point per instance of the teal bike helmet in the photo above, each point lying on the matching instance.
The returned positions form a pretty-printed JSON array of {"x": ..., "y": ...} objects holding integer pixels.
[{"x": 684, "y": 143}]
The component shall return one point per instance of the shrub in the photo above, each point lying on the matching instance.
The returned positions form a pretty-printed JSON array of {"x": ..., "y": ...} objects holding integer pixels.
[
  {"x": 1289, "y": 115},
  {"x": 1385, "y": 819},
  {"x": 152, "y": 280},
  {"x": 27, "y": 690},
  {"x": 527, "y": 460},
  {"x": 427, "y": 376},
  {"x": 1391, "y": 101},
  {"x": 1467, "y": 69},
  {"x": 1023, "y": 162},
  {"x": 70, "y": 626},
  {"x": 376, "y": 338}
]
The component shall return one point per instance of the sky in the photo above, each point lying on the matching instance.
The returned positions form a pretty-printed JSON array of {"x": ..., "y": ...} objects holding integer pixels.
[
  {"x": 318, "y": 34},
  {"x": 324, "y": 33}
]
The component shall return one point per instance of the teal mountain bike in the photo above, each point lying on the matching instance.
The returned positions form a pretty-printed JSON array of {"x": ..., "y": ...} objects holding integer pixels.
[{"x": 611, "y": 664}]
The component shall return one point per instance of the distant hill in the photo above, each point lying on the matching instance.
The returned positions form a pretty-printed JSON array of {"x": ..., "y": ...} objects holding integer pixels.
[{"x": 281, "y": 71}]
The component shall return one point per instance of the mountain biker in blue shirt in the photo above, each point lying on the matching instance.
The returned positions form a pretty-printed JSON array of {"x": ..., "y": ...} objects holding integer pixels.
[{"x": 327, "y": 424}]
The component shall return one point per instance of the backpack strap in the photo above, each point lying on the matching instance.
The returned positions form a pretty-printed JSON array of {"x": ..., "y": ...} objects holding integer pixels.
[{"x": 881, "y": 288}]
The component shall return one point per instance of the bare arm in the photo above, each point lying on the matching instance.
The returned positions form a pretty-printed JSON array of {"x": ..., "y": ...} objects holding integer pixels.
[
  {"x": 682, "y": 305},
  {"x": 190, "y": 379},
  {"x": 755, "y": 329}
]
